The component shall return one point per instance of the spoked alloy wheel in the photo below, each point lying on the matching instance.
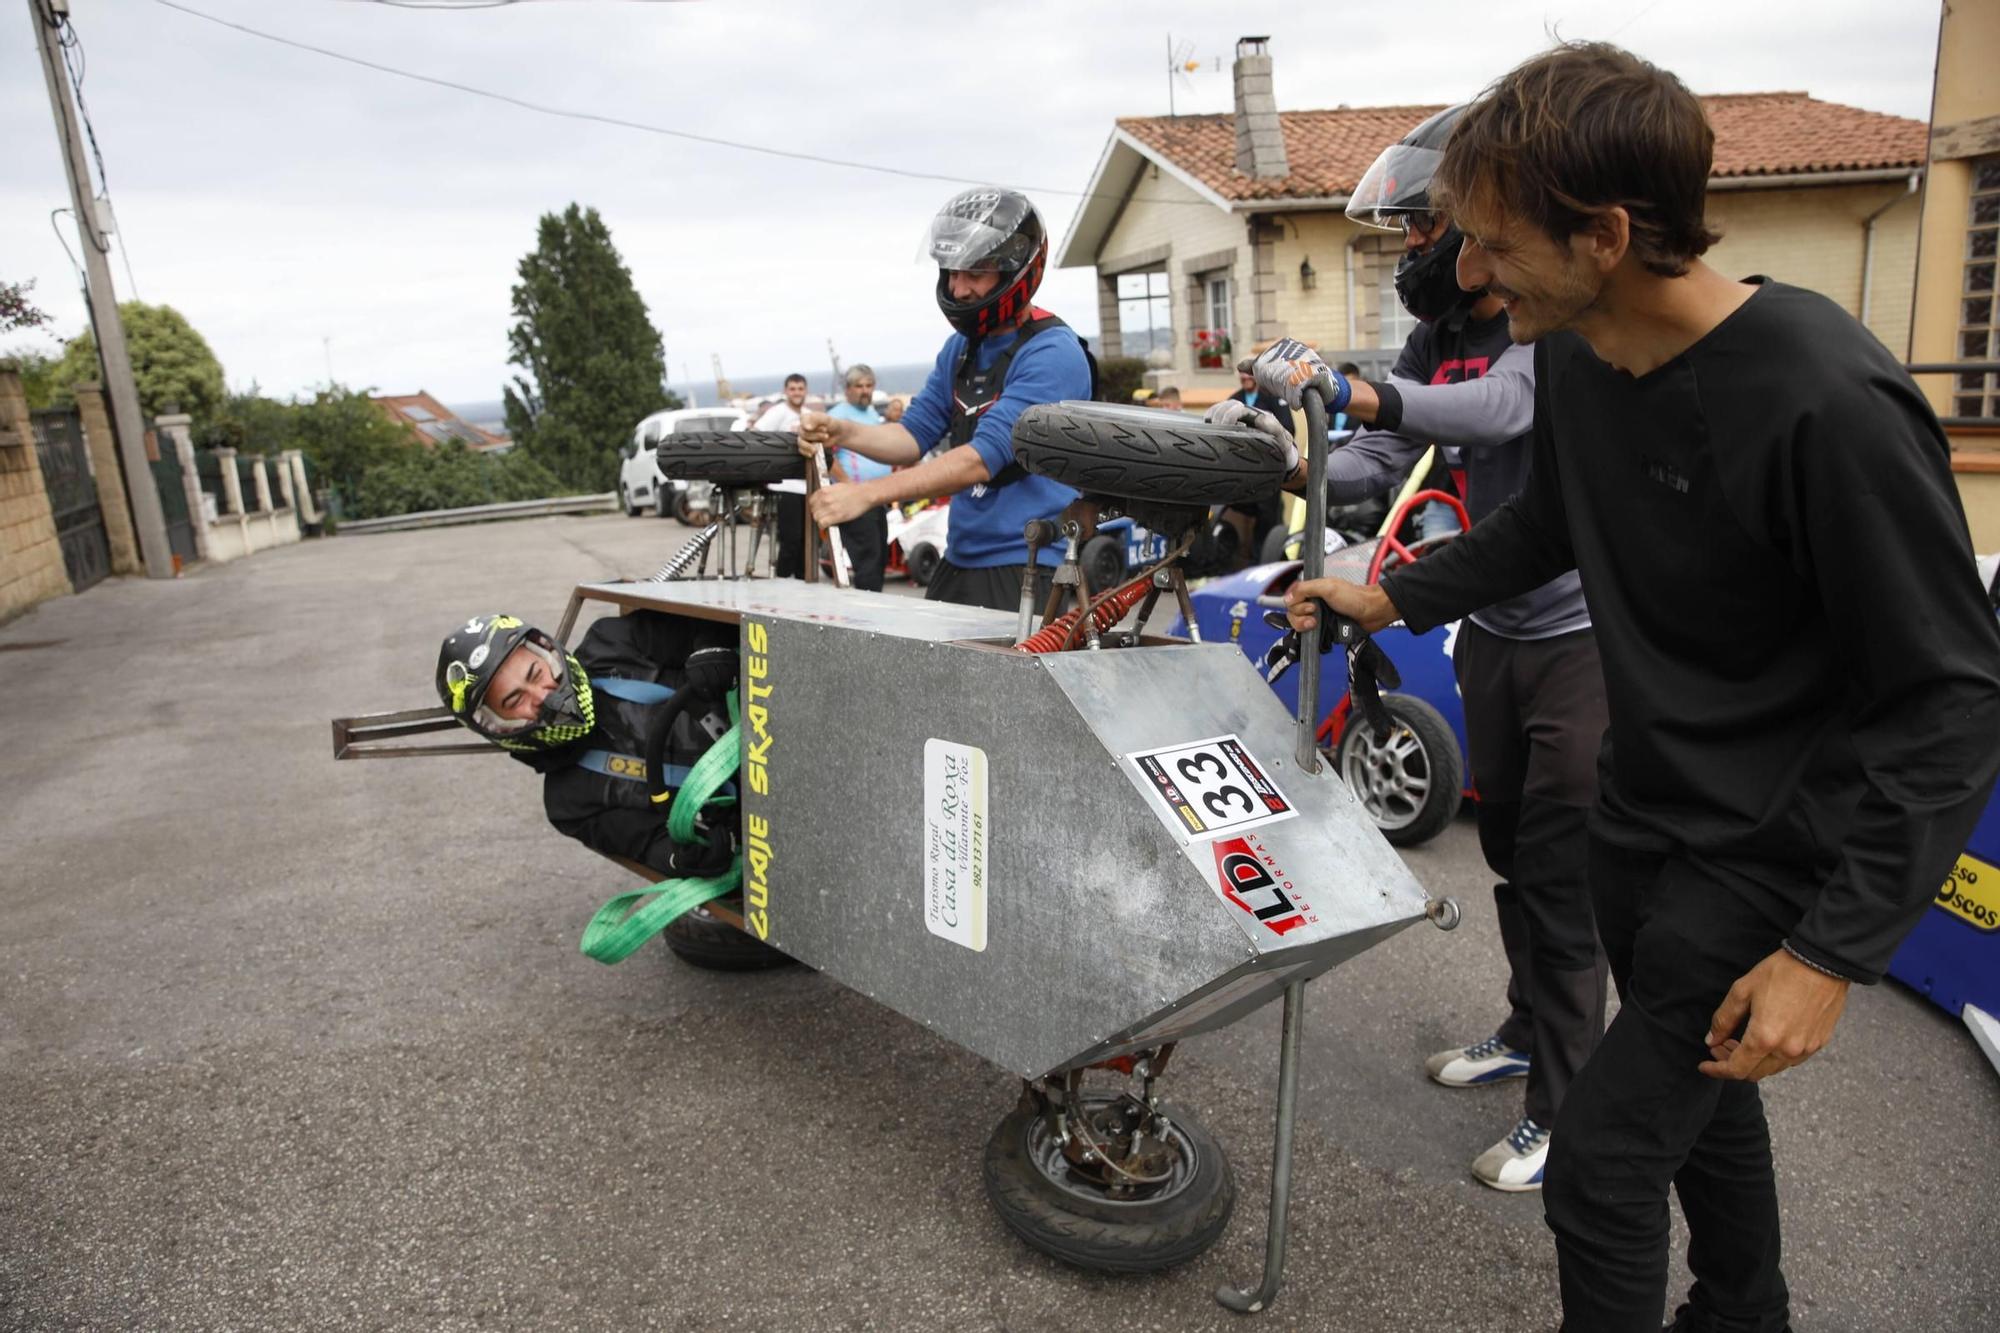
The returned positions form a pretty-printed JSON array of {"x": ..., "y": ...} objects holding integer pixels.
[
  {"x": 1165, "y": 1199},
  {"x": 1411, "y": 783}
]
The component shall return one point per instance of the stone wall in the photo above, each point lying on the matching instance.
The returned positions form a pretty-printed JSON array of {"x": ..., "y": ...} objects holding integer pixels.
[{"x": 31, "y": 563}]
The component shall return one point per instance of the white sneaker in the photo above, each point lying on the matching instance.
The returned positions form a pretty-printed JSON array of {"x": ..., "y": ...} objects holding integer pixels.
[
  {"x": 1487, "y": 1061},
  {"x": 1515, "y": 1163}
]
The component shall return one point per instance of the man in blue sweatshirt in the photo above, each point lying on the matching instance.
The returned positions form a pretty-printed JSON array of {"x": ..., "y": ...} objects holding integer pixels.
[{"x": 1004, "y": 356}]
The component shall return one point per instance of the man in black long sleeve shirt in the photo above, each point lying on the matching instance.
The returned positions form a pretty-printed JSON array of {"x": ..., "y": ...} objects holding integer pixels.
[{"x": 1802, "y": 670}]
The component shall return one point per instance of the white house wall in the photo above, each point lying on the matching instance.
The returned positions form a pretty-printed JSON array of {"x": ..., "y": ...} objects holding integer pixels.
[{"x": 1165, "y": 213}]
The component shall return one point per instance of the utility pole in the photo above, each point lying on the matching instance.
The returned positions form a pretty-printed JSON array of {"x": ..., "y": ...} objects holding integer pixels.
[{"x": 148, "y": 517}]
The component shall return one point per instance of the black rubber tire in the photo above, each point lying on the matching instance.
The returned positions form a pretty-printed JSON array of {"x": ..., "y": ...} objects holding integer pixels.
[
  {"x": 625, "y": 502},
  {"x": 1137, "y": 453},
  {"x": 1108, "y": 1237},
  {"x": 732, "y": 457},
  {"x": 1404, "y": 823},
  {"x": 700, "y": 938},
  {"x": 1103, "y": 561},
  {"x": 686, "y": 514},
  {"x": 922, "y": 562}
]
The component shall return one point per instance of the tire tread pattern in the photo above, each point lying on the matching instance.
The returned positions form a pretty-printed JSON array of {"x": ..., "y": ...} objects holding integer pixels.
[
  {"x": 731, "y": 457},
  {"x": 1195, "y": 463}
]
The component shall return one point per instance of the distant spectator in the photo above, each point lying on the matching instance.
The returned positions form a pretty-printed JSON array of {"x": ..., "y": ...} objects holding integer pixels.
[
  {"x": 784, "y": 415},
  {"x": 1168, "y": 399},
  {"x": 892, "y": 411},
  {"x": 865, "y": 536}
]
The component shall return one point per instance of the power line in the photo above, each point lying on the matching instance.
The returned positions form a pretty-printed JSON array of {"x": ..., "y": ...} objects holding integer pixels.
[{"x": 618, "y": 121}]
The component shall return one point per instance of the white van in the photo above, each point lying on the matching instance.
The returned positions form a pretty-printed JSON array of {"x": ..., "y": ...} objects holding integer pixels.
[{"x": 640, "y": 485}]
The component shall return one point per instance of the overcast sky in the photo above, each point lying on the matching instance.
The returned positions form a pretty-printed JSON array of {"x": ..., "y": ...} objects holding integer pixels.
[{"x": 306, "y": 213}]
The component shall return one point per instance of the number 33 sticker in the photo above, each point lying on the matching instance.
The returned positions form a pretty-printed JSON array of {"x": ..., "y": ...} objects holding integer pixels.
[{"x": 1211, "y": 787}]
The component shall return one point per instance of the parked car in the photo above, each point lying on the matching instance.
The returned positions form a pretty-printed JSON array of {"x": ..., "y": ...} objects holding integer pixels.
[
  {"x": 917, "y": 544},
  {"x": 1119, "y": 548},
  {"x": 640, "y": 485}
]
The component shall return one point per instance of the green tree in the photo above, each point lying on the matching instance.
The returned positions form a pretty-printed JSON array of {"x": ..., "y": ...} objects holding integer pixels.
[
  {"x": 38, "y": 376},
  {"x": 344, "y": 436},
  {"x": 450, "y": 476},
  {"x": 171, "y": 363},
  {"x": 16, "y": 310},
  {"x": 592, "y": 359}
]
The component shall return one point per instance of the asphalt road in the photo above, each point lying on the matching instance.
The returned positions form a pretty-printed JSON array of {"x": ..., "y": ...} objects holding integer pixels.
[{"x": 290, "y": 1044}]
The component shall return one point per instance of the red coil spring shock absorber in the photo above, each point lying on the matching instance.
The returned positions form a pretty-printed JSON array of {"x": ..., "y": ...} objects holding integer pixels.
[{"x": 1110, "y": 610}]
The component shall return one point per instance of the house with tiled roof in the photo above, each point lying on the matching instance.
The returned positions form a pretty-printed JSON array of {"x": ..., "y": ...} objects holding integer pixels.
[
  {"x": 1213, "y": 234},
  {"x": 431, "y": 423}
]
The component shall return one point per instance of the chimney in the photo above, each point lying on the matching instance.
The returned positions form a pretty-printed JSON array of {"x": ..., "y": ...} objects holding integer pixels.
[{"x": 1260, "y": 144}]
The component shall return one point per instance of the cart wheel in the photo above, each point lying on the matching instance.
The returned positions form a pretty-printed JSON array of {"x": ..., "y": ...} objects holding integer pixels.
[
  {"x": 701, "y": 938},
  {"x": 731, "y": 457},
  {"x": 688, "y": 514},
  {"x": 1140, "y": 453},
  {"x": 1033, "y": 1188},
  {"x": 922, "y": 563},
  {"x": 1275, "y": 541},
  {"x": 1103, "y": 561},
  {"x": 1410, "y": 784},
  {"x": 625, "y": 501}
]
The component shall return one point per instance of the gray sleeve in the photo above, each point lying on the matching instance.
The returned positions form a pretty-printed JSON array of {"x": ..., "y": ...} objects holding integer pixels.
[
  {"x": 1370, "y": 463},
  {"x": 1494, "y": 409}
]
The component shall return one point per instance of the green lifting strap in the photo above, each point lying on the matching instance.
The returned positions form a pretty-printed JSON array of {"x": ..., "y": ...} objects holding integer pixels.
[{"x": 614, "y": 933}]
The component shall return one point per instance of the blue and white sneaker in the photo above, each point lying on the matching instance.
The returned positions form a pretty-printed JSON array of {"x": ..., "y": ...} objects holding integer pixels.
[
  {"x": 1515, "y": 1163},
  {"x": 1488, "y": 1061}
]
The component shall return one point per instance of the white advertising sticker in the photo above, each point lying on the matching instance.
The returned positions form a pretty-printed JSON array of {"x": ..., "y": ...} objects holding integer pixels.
[
  {"x": 955, "y": 832},
  {"x": 1211, "y": 787}
]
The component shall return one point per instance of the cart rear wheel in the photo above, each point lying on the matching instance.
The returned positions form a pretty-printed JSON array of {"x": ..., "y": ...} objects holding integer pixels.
[
  {"x": 1410, "y": 784},
  {"x": 1041, "y": 1198},
  {"x": 1139, "y": 453},
  {"x": 701, "y": 938},
  {"x": 732, "y": 457},
  {"x": 686, "y": 511}
]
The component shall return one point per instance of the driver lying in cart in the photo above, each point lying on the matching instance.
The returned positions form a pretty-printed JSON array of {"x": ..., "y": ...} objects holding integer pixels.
[{"x": 583, "y": 720}]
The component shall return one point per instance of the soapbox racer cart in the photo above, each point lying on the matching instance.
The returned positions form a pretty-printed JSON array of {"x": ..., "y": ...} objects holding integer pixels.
[{"x": 1024, "y": 779}]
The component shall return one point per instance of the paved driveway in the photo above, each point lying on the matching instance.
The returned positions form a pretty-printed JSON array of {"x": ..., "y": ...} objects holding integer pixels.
[{"x": 291, "y": 1044}]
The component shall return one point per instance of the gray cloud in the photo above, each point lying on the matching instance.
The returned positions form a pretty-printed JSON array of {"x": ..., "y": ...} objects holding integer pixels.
[{"x": 279, "y": 197}]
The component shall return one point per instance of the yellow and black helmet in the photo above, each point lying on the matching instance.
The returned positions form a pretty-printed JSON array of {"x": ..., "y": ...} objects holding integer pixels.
[{"x": 473, "y": 653}]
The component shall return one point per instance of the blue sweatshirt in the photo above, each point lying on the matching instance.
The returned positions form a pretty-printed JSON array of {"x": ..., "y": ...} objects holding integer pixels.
[{"x": 986, "y": 521}]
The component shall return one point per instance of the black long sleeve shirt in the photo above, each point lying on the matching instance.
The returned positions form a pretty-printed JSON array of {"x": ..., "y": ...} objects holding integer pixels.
[{"x": 1802, "y": 668}]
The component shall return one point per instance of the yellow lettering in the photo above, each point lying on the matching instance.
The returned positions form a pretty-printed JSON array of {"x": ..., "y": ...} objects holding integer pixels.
[
  {"x": 759, "y": 639},
  {"x": 760, "y": 667},
  {"x": 760, "y": 923},
  {"x": 760, "y": 780},
  {"x": 760, "y": 692},
  {"x": 760, "y": 827}
]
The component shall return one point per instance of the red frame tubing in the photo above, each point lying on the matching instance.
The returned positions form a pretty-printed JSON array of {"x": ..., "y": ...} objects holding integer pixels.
[{"x": 1395, "y": 525}]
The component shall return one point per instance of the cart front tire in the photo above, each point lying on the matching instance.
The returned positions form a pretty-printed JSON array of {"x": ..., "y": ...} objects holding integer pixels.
[
  {"x": 1137, "y": 453},
  {"x": 1410, "y": 784},
  {"x": 1080, "y": 1227},
  {"x": 701, "y": 939}
]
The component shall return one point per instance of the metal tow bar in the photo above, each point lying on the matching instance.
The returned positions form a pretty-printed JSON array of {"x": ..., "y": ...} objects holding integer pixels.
[{"x": 1241, "y": 1300}]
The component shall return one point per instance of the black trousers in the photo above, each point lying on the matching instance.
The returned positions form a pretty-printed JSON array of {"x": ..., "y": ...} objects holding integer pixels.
[
  {"x": 866, "y": 540},
  {"x": 1534, "y": 720},
  {"x": 998, "y": 587},
  {"x": 1641, "y": 1117}
]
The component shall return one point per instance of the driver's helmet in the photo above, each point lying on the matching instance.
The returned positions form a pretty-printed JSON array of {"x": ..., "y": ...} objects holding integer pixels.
[
  {"x": 472, "y": 655},
  {"x": 1396, "y": 189},
  {"x": 984, "y": 230}
]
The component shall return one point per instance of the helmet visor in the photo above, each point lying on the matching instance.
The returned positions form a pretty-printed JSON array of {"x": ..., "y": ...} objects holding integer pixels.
[{"x": 1398, "y": 184}]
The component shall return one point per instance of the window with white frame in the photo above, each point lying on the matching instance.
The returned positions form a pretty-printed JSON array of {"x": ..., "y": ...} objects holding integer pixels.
[
  {"x": 1145, "y": 312},
  {"x": 1221, "y": 305},
  {"x": 1397, "y": 323}
]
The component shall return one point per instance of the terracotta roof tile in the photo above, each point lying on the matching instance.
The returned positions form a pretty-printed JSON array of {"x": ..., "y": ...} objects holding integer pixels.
[{"x": 1756, "y": 134}]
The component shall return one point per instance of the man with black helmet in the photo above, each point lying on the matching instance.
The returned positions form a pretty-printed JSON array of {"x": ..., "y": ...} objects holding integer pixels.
[
  {"x": 583, "y": 720},
  {"x": 1003, "y": 356},
  {"x": 1527, "y": 667}
]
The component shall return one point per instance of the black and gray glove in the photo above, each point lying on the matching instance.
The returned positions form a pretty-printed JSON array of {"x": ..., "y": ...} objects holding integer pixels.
[
  {"x": 1233, "y": 412},
  {"x": 1288, "y": 366}
]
